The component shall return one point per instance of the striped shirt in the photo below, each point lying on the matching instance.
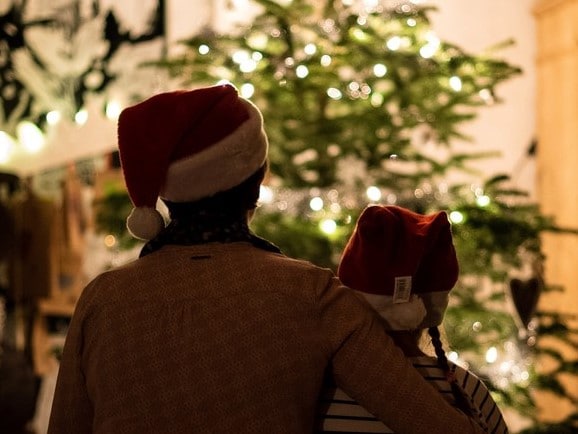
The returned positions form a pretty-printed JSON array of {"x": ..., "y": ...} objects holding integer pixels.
[{"x": 338, "y": 413}]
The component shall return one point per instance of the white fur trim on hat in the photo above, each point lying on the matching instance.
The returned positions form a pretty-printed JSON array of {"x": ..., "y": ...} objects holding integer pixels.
[
  {"x": 398, "y": 316},
  {"x": 221, "y": 166},
  {"x": 145, "y": 223}
]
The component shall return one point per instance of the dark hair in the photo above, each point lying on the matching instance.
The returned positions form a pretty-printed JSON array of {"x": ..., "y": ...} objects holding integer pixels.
[
  {"x": 237, "y": 200},
  {"x": 462, "y": 401}
]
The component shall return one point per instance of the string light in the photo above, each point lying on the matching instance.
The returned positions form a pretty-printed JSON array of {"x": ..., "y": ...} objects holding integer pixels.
[
  {"x": 456, "y": 217},
  {"x": 30, "y": 136},
  {"x": 373, "y": 193},
  {"x": 316, "y": 204},
  {"x": 328, "y": 226},
  {"x": 456, "y": 83},
  {"x": 81, "y": 117},
  {"x": 492, "y": 355},
  {"x": 53, "y": 117},
  {"x": 379, "y": 69}
]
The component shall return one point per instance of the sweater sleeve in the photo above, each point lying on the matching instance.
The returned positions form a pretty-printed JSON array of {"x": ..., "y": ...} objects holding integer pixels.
[
  {"x": 371, "y": 369},
  {"x": 72, "y": 411}
]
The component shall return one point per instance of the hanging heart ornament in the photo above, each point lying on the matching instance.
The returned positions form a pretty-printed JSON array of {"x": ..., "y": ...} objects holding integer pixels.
[{"x": 525, "y": 295}]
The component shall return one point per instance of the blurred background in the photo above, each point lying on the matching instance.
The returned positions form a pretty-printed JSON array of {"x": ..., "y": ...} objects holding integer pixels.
[{"x": 466, "y": 106}]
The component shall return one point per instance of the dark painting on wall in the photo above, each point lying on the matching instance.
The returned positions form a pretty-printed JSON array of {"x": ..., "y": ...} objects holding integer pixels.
[{"x": 54, "y": 55}]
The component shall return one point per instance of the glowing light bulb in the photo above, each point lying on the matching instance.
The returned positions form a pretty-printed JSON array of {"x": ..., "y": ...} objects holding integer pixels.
[
  {"x": 379, "y": 70},
  {"x": 483, "y": 200},
  {"x": 265, "y": 194},
  {"x": 30, "y": 136},
  {"x": 334, "y": 93},
  {"x": 431, "y": 46},
  {"x": 491, "y": 355},
  {"x": 456, "y": 83},
  {"x": 310, "y": 49},
  {"x": 247, "y": 90},
  {"x": 456, "y": 217},
  {"x": 453, "y": 356},
  {"x": 373, "y": 193},
  {"x": 302, "y": 71},
  {"x": 113, "y": 110},
  {"x": 316, "y": 203},
  {"x": 393, "y": 43},
  {"x": 81, "y": 117},
  {"x": 325, "y": 60},
  {"x": 248, "y": 65},
  {"x": 240, "y": 56},
  {"x": 204, "y": 49},
  {"x": 328, "y": 226},
  {"x": 53, "y": 117}
]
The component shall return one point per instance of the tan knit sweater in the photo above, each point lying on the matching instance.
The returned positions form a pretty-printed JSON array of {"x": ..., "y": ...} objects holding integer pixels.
[{"x": 229, "y": 338}]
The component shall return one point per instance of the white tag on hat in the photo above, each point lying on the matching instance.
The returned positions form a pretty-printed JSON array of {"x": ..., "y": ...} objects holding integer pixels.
[{"x": 402, "y": 289}]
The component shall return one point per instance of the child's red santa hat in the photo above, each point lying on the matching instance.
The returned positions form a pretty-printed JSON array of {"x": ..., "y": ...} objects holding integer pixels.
[
  {"x": 403, "y": 263},
  {"x": 183, "y": 146}
]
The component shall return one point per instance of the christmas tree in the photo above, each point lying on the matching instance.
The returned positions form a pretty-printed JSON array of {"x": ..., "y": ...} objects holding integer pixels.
[{"x": 363, "y": 104}]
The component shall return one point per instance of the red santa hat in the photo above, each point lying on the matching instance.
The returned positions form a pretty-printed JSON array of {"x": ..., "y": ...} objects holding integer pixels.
[
  {"x": 403, "y": 263},
  {"x": 183, "y": 146}
]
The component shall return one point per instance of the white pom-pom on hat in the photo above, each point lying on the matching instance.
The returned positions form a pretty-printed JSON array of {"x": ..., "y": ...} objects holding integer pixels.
[{"x": 145, "y": 223}]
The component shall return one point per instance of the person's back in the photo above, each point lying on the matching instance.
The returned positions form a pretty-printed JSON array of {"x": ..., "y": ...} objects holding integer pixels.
[{"x": 152, "y": 327}]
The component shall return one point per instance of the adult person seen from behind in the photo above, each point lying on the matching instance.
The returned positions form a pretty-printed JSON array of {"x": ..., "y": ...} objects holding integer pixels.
[
  {"x": 213, "y": 329},
  {"x": 405, "y": 265}
]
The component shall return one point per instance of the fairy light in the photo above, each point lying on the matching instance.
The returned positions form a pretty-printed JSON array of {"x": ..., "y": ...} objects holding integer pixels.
[
  {"x": 334, "y": 93},
  {"x": 30, "y": 136},
  {"x": 453, "y": 356},
  {"x": 456, "y": 217},
  {"x": 316, "y": 203},
  {"x": 411, "y": 22},
  {"x": 492, "y": 355},
  {"x": 483, "y": 200},
  {"x": 393, "y": 43},
  {"x": 376, "y": 99},
  {"x": 257, "y": 56},
  {"x": 379, "y": 69},
  {"x": 204, "y": 49},
  {"x": 325, "y": 60},
  {"x": 112, "y": 110},
  {"x": 240, "y": 56},
  {"x": 328, "y": 226},
  {"x": 265, "y": 194},
  {"x": 431, "y": 46},
  {"x": 310, "y": 49},
  {"x": 53, "y": 117},
  {"x": 81, "y": 117},
  {"x": 248, "y": 65},
  {"x": 373, "y": 193},
  {"x": 302, "y": 71},
  {"x": 247, "y": 90},
  {"x": 456, "y": 83}
]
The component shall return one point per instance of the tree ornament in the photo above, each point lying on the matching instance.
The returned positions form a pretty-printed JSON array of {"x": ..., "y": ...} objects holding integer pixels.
[{"x": 525, "y": 295}]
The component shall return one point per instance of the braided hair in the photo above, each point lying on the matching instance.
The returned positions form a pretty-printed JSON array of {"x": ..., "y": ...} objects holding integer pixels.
[{"x": 462, "y": 401}]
